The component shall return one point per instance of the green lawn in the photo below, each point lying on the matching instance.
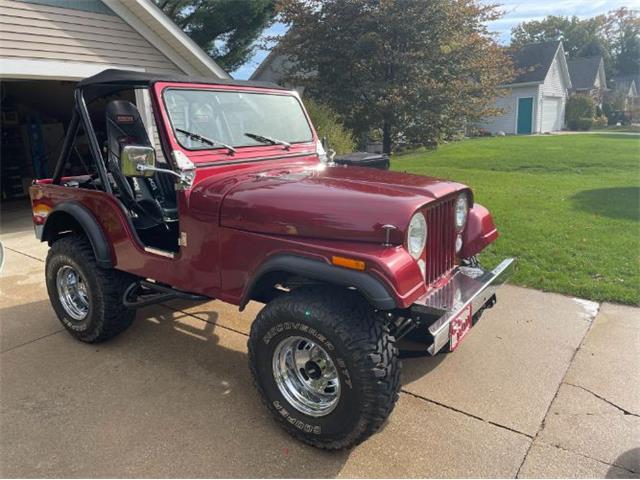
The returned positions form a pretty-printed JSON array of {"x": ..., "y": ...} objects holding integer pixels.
[
  {"x": 622, "y": 128},
  {"x": 567, "y": 206}
]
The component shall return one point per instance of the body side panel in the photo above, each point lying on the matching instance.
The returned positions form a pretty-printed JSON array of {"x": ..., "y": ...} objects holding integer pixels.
[
  {"x": 221, "y": 262},
  {"x": 246, "y": 253},
  {"x": 194, "y": 268}
]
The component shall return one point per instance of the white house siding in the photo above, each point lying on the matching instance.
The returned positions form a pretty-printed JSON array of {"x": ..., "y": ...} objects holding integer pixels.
[
  {"x": 552, "y": 100},
  {"x": 39, "y": 32},
  {"x": 597, "y": 83},
  {"x": 509, "y": 104}
]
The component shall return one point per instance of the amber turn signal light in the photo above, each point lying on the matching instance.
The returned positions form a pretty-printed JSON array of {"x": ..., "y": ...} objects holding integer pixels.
[{"x": 348, "y": 263}]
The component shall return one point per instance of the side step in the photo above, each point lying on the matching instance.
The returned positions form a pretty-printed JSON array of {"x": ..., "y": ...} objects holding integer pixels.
[{"x": 144, "y": 293}]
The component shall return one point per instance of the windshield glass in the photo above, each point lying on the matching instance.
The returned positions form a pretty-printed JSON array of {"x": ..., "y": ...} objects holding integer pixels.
[{"x": 206, "y": 119}]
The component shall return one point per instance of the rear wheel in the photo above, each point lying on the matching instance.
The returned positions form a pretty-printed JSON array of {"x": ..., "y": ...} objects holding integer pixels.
[
  {"x": 86, "y": 298},
  {"x": 325, "y": 365}
]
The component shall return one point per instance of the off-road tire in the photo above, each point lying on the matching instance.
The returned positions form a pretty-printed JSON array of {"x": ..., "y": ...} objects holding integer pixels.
[
  {"x": 362, "y": 348},
  {"x": 107, "y": 316}
]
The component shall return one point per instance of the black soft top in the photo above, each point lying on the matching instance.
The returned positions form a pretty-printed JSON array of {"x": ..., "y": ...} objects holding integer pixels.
[
  {"x": 129, "y": 77},
  {"x": 112, "y": 80}
]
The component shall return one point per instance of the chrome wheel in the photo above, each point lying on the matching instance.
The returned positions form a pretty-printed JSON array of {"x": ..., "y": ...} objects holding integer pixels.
[
  {"x": 306, "y": 376},
  {"x": 72, "y": 292}
]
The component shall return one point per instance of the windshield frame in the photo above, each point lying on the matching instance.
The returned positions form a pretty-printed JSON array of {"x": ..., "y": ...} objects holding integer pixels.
[{"x": 251, "y": 91}]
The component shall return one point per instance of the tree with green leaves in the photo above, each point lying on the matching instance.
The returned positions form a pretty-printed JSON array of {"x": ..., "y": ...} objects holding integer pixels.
[
  {"x": 226, "y": 29},
  {"x": 615, "y": 36},
  {"x": 623, "y": 31},
  {"x": 328, "y": 124},
  {"x": 580, "y": 38},
  {"x": 416, "y": 70}
]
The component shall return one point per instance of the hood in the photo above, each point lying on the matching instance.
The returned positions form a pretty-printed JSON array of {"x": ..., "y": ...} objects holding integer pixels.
[{"x": 336, "y": 203}]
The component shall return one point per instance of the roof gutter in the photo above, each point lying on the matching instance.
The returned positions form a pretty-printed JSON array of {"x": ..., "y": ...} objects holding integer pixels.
[{"x": 523, "y": 84}]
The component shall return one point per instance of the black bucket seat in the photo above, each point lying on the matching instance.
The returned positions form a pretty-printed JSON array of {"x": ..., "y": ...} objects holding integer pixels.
[{"x": 152, "y": 200}]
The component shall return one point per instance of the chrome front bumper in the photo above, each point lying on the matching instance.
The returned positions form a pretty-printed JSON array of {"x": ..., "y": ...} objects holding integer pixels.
[{"x": 472, "y": 286}]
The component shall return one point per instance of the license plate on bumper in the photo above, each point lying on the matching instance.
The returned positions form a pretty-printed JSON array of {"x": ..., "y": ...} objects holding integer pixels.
[
  {"x": 459, "y": 327},
  {"x": 468, "y": 291}
]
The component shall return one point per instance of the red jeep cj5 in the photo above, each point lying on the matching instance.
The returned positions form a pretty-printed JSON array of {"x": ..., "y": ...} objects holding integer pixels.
[{"x": 240, "y": 202}]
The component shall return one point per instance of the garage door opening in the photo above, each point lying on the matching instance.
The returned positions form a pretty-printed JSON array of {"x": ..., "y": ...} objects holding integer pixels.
[
  {"x": 35, "y": 115},
  {"x": 552, "y": 114}
]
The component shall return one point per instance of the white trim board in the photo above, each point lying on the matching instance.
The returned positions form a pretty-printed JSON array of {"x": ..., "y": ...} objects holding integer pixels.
[
  {"x": 52, "y": 69},
  {"x": 160, "y": 31},
  {"x": 181, "y": 37}
]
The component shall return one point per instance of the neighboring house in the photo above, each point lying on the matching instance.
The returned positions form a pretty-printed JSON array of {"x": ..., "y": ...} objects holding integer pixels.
[
  {"x": 629, "y": 84},
  {"x": 272, "y": 69},
  {"x": 48, "y": 45},
  {"x": 535, "y": 101},
  {"x": 588, "y": 77},
  {"x": 628, "y": 87}
]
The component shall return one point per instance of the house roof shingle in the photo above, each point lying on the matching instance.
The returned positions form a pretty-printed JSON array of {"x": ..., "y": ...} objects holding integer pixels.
[
  {"x": 584, "y": 71},
  {"x": 533, "y": 61}
]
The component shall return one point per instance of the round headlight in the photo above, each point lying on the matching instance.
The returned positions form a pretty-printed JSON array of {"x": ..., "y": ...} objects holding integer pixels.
[
  {"x": 417, "y": 235},
  {"x": 462, "y": 209}
]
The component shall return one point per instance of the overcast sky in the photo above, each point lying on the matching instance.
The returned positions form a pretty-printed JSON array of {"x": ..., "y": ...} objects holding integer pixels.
[{"x": 516, "y": 11}]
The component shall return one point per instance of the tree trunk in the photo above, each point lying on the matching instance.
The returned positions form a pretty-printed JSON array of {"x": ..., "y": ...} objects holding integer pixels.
[{"x": 386, "y": 137}]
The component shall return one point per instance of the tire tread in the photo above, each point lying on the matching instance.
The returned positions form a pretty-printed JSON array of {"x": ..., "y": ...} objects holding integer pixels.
[
  {"x": 367, "y": 339},
  {"x": 113, "y": 316}
]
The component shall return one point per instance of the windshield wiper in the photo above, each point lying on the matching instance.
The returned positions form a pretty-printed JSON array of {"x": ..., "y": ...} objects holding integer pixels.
[
  {"x": 269, "y": 140},
  {"x": 209, "y": 141}
]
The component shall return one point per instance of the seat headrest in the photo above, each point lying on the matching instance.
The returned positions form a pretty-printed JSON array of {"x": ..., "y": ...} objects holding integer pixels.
[{"x": 124, "y": 125}]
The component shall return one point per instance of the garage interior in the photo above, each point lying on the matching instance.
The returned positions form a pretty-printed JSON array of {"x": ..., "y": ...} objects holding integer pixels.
[{"x": 35, "y": 114}]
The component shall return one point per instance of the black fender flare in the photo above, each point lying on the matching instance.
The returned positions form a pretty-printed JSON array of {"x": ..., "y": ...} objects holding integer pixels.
[
  {"x": 370, "y": 287},
  {"x": 90, "y": 226}
]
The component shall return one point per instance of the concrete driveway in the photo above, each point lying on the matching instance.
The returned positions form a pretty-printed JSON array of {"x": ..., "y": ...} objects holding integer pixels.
[{"x": 545, "y": 386}]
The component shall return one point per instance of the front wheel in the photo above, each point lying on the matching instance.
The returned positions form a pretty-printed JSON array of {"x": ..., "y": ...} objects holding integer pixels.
[{"x": 325, "y": 365}]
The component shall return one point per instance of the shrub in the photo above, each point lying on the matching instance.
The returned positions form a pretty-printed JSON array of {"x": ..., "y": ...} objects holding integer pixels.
[
  {"x": 580, "y": 108},
  {"x": 328, "y": 124},
  {"x": 474, "y": 131},
  {"x": 616, "y": 117},
  {"x": 583, "y": 123},
  {"x": 600, "y": 122}
]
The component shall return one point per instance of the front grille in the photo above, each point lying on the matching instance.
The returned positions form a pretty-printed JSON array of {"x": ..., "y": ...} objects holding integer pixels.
[{"x": 441, "y": 239}]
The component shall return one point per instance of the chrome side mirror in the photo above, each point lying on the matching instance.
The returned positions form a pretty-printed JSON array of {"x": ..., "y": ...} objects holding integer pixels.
[
  {"x": 137, "y": 161},
  {"x": 331, "y": 153}
]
